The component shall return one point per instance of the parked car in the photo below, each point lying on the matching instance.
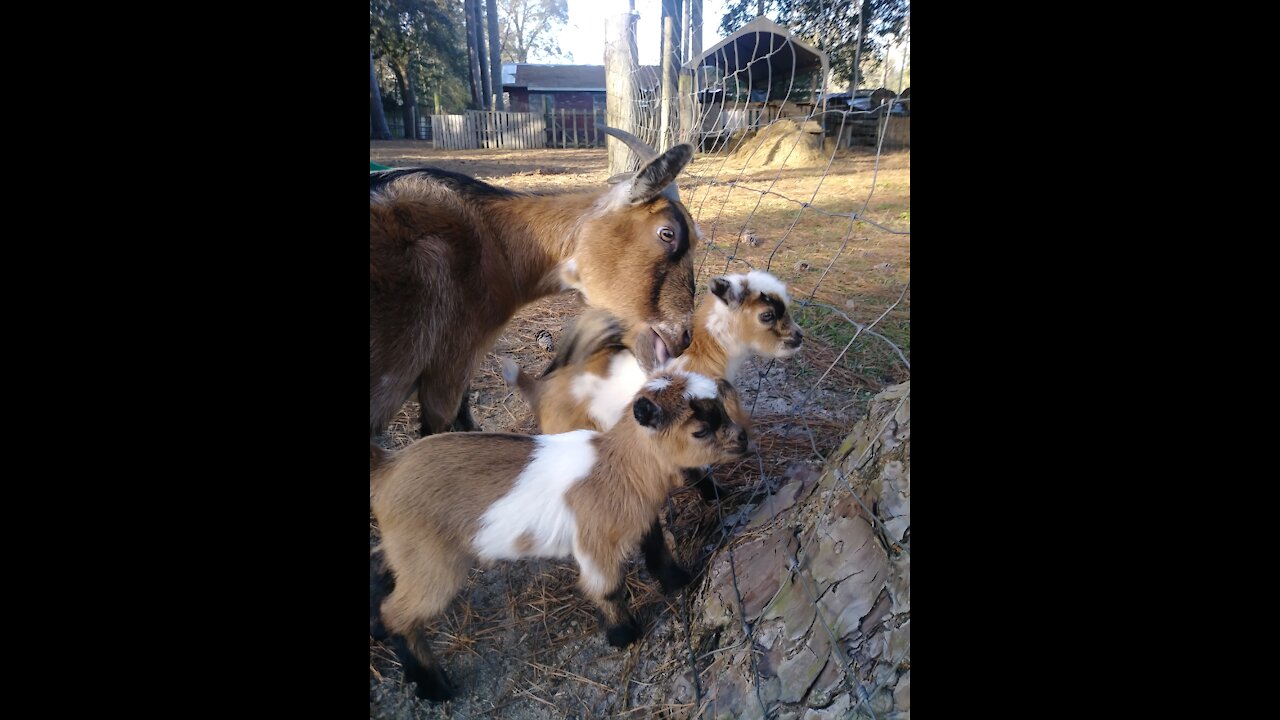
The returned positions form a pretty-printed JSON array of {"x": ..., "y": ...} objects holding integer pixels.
[{"x": 842, "y": 101}]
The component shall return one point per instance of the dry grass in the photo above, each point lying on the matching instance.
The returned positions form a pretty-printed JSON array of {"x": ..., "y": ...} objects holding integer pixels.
[{"x": 520, "y": 639}]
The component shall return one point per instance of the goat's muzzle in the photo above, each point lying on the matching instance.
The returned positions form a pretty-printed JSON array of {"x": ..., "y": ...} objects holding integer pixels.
[{"x": 669, "y": 342}]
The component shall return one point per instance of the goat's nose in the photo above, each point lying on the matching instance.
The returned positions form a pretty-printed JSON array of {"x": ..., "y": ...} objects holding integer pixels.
[{"x": 677, "y": 344}]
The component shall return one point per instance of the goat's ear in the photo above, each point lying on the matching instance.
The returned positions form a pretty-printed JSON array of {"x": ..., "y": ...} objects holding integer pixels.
[
  {"x": 620, "y": 177},
  {"x": 654, "y": 177},
  {"x": 647, "y": 413},
  {"x": 644, "y": 351},
  {"x": 723, "y": 289}
]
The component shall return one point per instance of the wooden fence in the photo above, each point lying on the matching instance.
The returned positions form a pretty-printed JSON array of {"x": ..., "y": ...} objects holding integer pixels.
[
  {"x": 476, "y": 129},
  {"x": 575, "y": 129},
  {"x": 489, "y": 130}
]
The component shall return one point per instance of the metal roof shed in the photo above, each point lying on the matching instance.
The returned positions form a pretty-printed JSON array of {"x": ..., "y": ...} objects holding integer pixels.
[{"x": 762, "y": 62}]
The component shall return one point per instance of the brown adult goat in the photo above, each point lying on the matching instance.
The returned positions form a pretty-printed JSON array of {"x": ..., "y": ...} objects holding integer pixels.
[{"x": 451, "y": 259}]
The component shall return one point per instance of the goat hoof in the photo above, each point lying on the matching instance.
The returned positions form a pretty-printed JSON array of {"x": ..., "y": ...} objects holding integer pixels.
[
  {"x": 674, "y": 577},
  {"x": 432, "y": 686},
  {"x": 710, "y": 491},
  {"x": 622, "y": 635}
]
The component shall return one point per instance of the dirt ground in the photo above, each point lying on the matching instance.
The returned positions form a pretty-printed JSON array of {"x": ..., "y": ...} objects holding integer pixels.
[{"x": 519, "y": 641}]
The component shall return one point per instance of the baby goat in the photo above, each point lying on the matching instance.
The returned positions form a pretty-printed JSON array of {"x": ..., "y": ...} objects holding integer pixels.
[{"x": 582, "y": 493}]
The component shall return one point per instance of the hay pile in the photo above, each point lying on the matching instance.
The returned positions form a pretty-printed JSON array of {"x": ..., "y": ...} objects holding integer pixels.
[{"x": 782, "y": 143}]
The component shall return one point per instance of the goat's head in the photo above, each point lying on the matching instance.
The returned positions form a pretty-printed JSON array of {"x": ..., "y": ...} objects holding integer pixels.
[
  {"x": 752, "y": 309},
  {"x": 634, "y": 255},
  {"x": 693, "y": 416}
]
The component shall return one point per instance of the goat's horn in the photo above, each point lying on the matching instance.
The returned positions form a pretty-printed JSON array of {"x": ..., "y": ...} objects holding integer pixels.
[{"x": 640, "y": 147}]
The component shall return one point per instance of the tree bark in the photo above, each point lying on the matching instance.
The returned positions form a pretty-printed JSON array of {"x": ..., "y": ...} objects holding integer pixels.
[
  {"x": 473, "y": 58},
  {"x": 485, "y": 82},
  {"x": 822, "y": 577},
  {"x": 406, "y": 95},
  {"x": 620, "y": 62},
  {"x": 667, "y": 122},
  {"x": 495, "y": 55},
  {"x": 380, "y": 130},
  {"x": 695, "y": 38}
]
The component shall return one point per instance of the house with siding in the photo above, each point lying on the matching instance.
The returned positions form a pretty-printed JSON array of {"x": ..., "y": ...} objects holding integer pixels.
[{"x": 549, "y": 88}]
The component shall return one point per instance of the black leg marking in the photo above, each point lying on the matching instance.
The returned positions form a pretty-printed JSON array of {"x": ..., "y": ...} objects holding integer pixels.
[
  {"x": 432, "y": 683},
  {"x": 661, "y": 564},
  {"x": 622, "y": 635},
  {"x": 624, "y": 629},
  {"x": 463, "y": 421},
  {"x": 701, "y": 479}
]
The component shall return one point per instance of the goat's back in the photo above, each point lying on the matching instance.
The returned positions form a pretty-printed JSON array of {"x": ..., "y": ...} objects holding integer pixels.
[{"x": 445, "y": 483}]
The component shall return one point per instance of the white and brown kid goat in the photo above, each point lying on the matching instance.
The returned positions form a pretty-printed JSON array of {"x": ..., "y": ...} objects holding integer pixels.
[
  {"x": 451, "y": 259},
  {"x": 448, "y": 500}
]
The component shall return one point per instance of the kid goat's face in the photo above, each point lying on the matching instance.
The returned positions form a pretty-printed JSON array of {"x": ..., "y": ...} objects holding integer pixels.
[{"x": 694, "y": 416}]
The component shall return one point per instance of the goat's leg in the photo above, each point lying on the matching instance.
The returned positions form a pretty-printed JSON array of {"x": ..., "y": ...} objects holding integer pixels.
[
  {"x": 427, "y": 577},
  {"x": 421, "y": 666},
  {"x": 607, "y": 588},
  {"x": 444, "y": 411},
  {"x": 463, "y": 421},
  {"x": 662, "y": 565},
  {"x": 700, "y": 478},
  {"x": 381, "y": 584}
]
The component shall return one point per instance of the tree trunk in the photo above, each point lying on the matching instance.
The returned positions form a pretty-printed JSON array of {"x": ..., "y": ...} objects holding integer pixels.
[
  {"x": 473, "y": 59},
  {"x": 406, "y": 92},
  {"x": 831, "y": 631},
  {"x": 380, "y": 131},
  {"x": 670, "y": 9},
  {"x": 620, "y": 62},
  {"x": 667, "y": 120},
  {"x": 495, "y": 55},
  {"x": 695, "y": 39},
  {"x": 485, "y": 82},
  {"x": 410, "y": 102}
]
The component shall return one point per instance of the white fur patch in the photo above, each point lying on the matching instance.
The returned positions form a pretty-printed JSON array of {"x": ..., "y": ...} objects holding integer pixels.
[
  {"x": 720, "y": 325},
  {"x": 761, "y": 281},
  {"x": 699, "y": 386},
  {"x": 592, "y": 579},
  {"x": 535, "y": 504},
  {"x": 609, "y": 397},
  {"x": 618, "y": 197},
  {"x": 658, "y": 384}
]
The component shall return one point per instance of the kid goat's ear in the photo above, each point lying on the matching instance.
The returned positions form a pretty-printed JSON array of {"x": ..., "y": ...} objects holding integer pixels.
[
  {"x": 647, "y": 413},
  {"x": 723, "y": 289}
]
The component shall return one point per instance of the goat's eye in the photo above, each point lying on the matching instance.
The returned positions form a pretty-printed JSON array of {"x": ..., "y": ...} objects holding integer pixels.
[
  {"x": 702, "y": 433},
  {"x": 766, "y": 316},
  {"x": 667, "y": 234}
]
